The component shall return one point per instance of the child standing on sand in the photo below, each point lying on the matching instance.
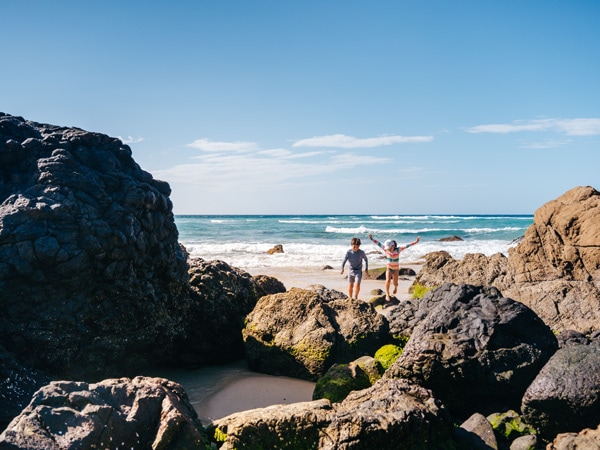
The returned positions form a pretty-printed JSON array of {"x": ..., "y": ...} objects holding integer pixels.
[
  {"x": 392, "y": 253},
  {"x": 356, "y": 256}
]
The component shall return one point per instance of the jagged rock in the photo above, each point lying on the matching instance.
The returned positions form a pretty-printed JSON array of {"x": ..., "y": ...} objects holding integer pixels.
[
  {"x": 584, "y": 440},
  {"x": 477, "y": 350},
  {"x": 475, "y": 268},
  {"x": 565, "y": 395},
  {"x": 563, "y": 242},
  {"x": 115, "y": 413},
  {"x": 90, "y": 266},
  {"x": 407, "y": 315},
  {"x": 392, "y": 414},
  {"x": 301, "y": 333}
]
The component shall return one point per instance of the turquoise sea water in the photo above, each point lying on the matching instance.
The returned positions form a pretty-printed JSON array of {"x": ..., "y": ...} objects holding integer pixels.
[{"x": 315, "y": 241}]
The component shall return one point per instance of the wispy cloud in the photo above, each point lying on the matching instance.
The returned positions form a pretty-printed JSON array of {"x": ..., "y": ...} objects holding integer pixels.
[
  {"x": 244, "y": 165},
  {"x": 570, "y": 127},
  {"x": 130, "y": 140},
  {"x": 343, "y": 141},
  {"x": 548, "y": 143},
  {"x": 207, "y": 145}
]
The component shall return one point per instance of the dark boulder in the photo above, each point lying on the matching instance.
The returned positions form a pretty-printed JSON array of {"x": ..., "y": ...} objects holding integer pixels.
[
  {"x": 477, "y": 350},
  {"x": 220, "y": 298},
  {"x": 90, "y": 266},
  {"x": 565, "y": 395}
]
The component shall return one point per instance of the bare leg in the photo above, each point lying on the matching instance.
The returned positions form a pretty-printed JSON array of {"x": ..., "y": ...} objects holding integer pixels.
[
  {"x": 350, "y": 288},
  {"x": 395, "y": 282},
  {"x": 357, "y": 290},
  {"x": 388, "y": 276}
]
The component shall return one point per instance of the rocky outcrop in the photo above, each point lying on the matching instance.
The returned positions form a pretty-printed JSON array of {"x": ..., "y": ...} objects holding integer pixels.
[
  {"x": 392, "y": 414},
  {"x": 116, "y": 413},
  {"x": 565, "y": 395},
  {"x": 477, "y": 350},
  {"x": 301, "y": 333},
  {"x": 554, "y": 269},
  {"x": 90, "y": 266}
]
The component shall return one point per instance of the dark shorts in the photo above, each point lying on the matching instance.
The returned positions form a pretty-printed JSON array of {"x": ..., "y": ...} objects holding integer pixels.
[{"x": 354, "y": 276}]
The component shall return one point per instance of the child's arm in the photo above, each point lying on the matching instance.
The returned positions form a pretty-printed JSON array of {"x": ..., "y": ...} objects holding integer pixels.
[
  {"x": 375, "y": 241},
  {"x": 412, "y": 243},
  {"x": 344, "y": 263}
]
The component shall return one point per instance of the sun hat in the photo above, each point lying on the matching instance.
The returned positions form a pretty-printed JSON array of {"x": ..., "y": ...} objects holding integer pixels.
[{"x": 388, "y": 244}]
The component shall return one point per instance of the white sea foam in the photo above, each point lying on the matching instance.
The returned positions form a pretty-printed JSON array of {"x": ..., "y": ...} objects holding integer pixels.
[{"x": 254, "y": 255}]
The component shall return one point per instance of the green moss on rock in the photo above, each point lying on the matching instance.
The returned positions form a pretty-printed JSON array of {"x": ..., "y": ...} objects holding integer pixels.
[
  {"x": 339, "y": 381},
  {"x": 386, "y": 355},
  {"x": 508, "y": 426}
]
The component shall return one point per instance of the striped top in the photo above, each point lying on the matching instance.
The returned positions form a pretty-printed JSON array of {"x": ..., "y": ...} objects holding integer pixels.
[{"x": 392, "y": 257}]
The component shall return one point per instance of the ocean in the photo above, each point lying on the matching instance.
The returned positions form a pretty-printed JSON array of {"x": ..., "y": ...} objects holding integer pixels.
[{"x": 317, "y": 241}]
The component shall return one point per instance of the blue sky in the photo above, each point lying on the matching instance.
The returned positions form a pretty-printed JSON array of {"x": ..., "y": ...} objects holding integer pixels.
[{"x": 318, "y": 107}]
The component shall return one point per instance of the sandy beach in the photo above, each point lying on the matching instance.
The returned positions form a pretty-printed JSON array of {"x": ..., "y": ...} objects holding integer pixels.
[{"x": 305, "y": 278}]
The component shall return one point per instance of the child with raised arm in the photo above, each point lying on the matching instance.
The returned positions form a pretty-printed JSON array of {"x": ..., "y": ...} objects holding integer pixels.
[
  {"x": 392, "y": 253},
  {"x": 355, "y": 256}
]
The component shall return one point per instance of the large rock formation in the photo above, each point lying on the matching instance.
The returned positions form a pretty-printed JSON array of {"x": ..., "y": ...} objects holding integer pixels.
[
  {"x": 90, "y": 265},
  {"x": 555, "y": 269}
]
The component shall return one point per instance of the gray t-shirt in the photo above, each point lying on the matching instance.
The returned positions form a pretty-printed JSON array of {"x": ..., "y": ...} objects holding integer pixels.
[{"x": 356, "y": 259}]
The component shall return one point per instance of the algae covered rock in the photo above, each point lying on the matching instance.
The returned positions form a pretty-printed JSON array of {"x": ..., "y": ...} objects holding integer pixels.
[
  {"x": 339, "y": 381},
  {"x": 509, "y": 426},
  {"x": 387, "y": 355},
  {"x": 301, "y": 333}
]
